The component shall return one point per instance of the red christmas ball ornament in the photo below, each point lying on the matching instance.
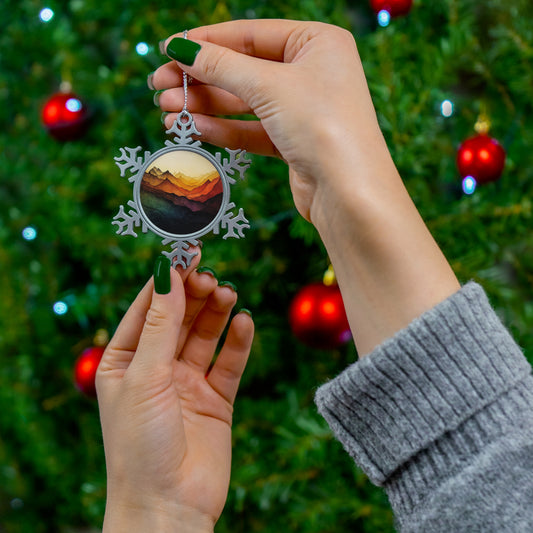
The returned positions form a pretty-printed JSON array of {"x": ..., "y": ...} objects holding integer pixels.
[
  {"x": 317, "y": 316},
  {"x": 395, "y": 8},
  {"x": 65, "y": 116},
  {"x": 481, "y": 157},
  {"x": 85, "y": 370}
]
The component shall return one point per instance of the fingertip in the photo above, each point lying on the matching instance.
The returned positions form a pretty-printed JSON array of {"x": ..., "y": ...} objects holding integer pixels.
[
  {"x": 175, "y": 286},
  {"x": 163, "y": 43},
  {"x": 199, "y": 285},
  {"x": 229, "y": 285},
  {"x": 150, "y": 81},
  {"x": 222, "y": 299},
  {"x": 184, "y": 273},
  {"x": 162, "y": 275},
  {"x": 167, "y": 119},
  {"x": 243, "y": 328},
  {"x": 246, "y": 312}
]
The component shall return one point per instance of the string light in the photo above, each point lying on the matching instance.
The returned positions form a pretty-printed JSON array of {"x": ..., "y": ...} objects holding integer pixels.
[
  {"x": 142, "y": 49},
  {"x": 29, "y": 233},
  {"x": 16, "y": 503},
  {"x": 60, "y": 308},
  {"x": 46, "y": 14},
  {"x": 446, "y": 108},
  {"x": 469, "y": 185},
  {"x": 383, "y": 18},
  {"x": 73, "y": 104}
]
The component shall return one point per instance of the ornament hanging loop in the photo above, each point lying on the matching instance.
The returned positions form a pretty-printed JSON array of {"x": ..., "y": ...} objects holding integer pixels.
[{"x": 185, "y": 118}]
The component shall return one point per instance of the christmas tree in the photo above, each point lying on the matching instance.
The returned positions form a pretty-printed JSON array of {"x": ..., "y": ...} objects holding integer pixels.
[{"x": 66, "y": 275}]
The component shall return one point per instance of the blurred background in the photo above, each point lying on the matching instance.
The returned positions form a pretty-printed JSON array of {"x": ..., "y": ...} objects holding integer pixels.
[{"x": 452, "y": 82}]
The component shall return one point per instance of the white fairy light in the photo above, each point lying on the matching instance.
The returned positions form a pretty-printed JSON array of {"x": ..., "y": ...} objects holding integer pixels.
[
  {"x": 446, "y": 108},
  {"x": 142, "y": 49},
  {"x": 46, "y": 14},
  {"x": 73, "y": 105}
]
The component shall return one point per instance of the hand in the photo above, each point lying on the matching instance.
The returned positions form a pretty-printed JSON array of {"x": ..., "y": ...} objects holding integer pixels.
[
  {"x": 303, "y": 80},
  {"x": 166, "y": 415},
  {"x": 305, "y": 83}
]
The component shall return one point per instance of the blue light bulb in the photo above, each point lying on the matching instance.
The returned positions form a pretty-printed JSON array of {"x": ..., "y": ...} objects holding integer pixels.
[
  {"x": 469, "y": 185},
  {"x": 29, "y": 233},
  {"x": 383, "y": 18},
  {"x": 60, "y": 308}
]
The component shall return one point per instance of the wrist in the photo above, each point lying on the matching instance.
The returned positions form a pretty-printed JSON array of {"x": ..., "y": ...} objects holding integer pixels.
[
  {"x": 389, "y": 267},
  {"x": 354, "y": 168},
  {"x": 162, "y": 517}
]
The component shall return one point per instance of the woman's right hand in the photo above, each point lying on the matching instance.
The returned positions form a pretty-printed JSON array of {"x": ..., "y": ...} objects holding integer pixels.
[{"x": 303, "y": 80}]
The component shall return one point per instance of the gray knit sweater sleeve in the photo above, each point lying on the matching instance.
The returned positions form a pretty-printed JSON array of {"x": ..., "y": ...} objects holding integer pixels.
[{"x": 441, "y": 416}]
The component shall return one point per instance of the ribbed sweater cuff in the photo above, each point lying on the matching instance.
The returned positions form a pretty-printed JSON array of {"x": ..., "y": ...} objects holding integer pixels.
[{"x": 446, "y": 366}]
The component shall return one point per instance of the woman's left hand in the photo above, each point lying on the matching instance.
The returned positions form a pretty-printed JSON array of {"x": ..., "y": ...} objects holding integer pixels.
[{"x": 166, "y": 413}]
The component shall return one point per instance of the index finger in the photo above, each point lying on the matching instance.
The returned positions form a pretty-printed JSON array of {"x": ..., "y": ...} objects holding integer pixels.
[{"x": 261, "y": 38}]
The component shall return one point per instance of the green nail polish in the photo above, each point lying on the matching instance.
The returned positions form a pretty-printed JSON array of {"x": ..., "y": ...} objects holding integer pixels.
[
  {"x": 183, "y": 50},
  {"x": 232, "y": 286},
  {"x": 246, "y": 311},
  {"x": 162, "y": 275},
  {"x": 156, "y": 97},
  {"x": 149, "y": 81},
  {"x": 163, "y": 117},
  {"x": 201, "y": 270}
]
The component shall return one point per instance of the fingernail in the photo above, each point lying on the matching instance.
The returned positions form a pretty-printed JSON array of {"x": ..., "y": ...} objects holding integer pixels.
[
  {"x": 246, "y": 311},
  {"x": 183, "y": 50},
  {"x": 163, "y": 117},
  {"x": 232, "y": 286},
  {"x": 149, "y": 81},
  {"x": 156, "y": 97},
  {"x": 208, "y": 270},
  {"x": 162, "y": 275},
  {"x": 162, "y": 48}
]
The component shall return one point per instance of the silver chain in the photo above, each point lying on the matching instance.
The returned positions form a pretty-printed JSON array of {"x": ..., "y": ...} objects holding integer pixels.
[{"x": 185, "y": 82}]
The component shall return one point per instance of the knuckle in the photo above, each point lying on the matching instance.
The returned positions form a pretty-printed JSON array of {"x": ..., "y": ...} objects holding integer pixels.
[
  {"x": 347, "y": 36},
  {"x": 155, "y": 318},
  {"x": 213, "y": 66}
]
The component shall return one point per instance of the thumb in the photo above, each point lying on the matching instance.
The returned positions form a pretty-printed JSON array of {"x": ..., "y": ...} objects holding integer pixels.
[
  {"x": 210, "y": 63},
  {"x": 160, "y": 333}
]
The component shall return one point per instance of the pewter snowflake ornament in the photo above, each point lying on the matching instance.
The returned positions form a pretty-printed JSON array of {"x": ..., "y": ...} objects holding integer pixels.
[{"x": 181, "y": 192}]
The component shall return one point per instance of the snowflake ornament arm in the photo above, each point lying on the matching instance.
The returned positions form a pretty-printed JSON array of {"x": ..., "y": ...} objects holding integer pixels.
[
  {"x": 183, "y": 131},
  {"x": 232, "y": 223},
  {"x": 179, "y": 254},
  {"x": 237, "y": 162},
  {"x": 128, "y": 160},
  {"x": 127, "y": 221}
]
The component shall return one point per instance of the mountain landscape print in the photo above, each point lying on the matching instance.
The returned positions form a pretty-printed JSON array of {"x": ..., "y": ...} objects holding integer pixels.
[{"x": 181, "y": 192}]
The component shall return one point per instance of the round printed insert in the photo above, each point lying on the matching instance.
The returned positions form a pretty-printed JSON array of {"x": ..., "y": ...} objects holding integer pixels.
[{"x": 181, "y": 192}]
